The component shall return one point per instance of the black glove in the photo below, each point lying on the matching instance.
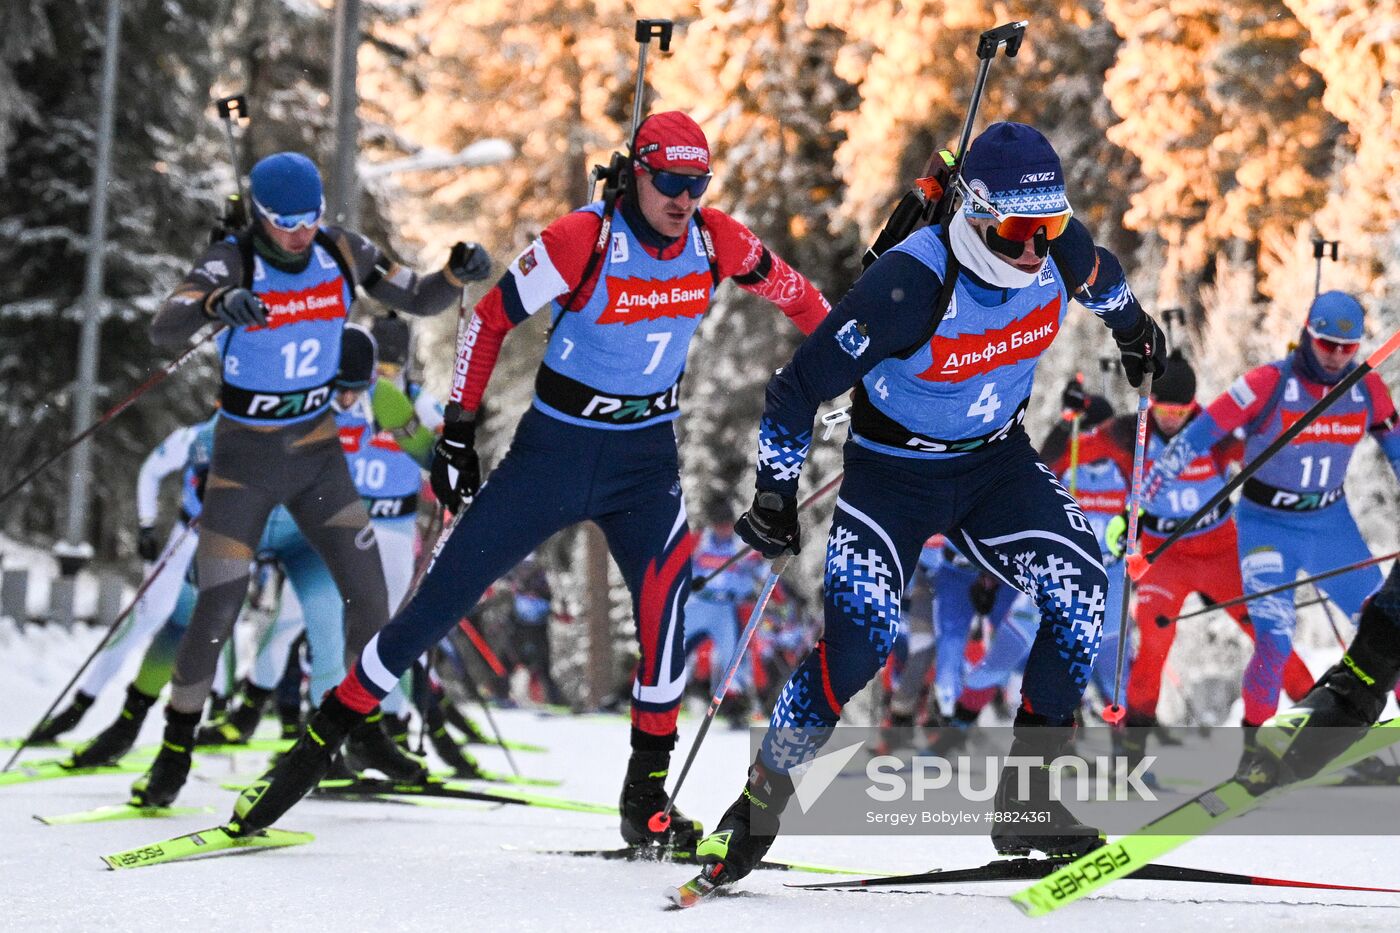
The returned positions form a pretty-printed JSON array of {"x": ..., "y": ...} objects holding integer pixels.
[
  {"x": 238, "y": 307},
  {"x": 983, "y": 594},
  {"x": 770, "y": 525},
  {"x": 1142, "y": 345},
  {"x": 468, "y": 262},
  {"x": 147, "y": 544},
  {"x": 1074, "y": 399},
  {"x": 456, "y": 472}
]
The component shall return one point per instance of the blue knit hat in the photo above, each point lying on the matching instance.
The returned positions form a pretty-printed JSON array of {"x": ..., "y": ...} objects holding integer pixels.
[
  {"x": 1337, "y": 316},
  {"x": 1015, "y": 168},
  {"x": 286, "y": 184}
]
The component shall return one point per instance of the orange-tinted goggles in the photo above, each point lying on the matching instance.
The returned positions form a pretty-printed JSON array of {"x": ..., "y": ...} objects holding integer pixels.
[
  {"x": 1017, "y": 227},
  {"x": 1171, "y": 409}
]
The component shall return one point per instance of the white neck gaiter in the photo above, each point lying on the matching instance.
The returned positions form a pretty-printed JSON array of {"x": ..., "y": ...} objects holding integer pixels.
[{"x": 981, "y": 261}]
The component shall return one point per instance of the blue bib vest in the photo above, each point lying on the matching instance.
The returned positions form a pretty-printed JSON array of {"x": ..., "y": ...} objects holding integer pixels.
[
  {"x": 617, "y": 362},
  {"x": 969, "y": 385},
  {"x": 281, "y": 373},
  {"x": 1101, "y": 491},
  {"x": 1179, "y": 498},
  {"x": 1308, "y": 473},
  {"x": 385, "y": 477}
]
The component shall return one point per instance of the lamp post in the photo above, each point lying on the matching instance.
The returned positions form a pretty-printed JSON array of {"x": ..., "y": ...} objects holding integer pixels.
[{"x": 74, "y": 551}]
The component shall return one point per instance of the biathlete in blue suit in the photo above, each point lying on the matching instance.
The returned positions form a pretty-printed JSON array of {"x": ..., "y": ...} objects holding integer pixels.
[
  {"x": 937, "y": 445},
  {"x": 283, "y": 289},
  {"x": 597, "y": 444}
]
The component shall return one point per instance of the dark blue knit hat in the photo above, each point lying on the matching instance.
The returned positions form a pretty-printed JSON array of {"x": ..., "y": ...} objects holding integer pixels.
[
  {"x": 1015, "y": 168},
  {"x": 1337, "y": 316},
  {"x": 358, "y": 354},
  {"x": 286, "y": 184}
]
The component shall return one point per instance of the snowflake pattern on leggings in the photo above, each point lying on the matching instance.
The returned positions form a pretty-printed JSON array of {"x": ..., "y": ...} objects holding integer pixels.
[
  {"x": 862, "y": 585},
  {"x": 1075, "y": 612}
]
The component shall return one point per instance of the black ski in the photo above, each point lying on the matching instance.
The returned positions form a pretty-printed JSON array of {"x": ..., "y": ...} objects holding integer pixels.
[
  {"x": 1031, "y": 869},
  {"x": 672, "y": 855}
]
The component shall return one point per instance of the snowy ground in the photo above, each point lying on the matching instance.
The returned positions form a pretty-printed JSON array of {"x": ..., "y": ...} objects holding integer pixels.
[{"x": 385, "y": 867}]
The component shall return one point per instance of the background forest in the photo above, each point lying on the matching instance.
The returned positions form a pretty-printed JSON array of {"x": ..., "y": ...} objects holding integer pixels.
[{"x": 1206, "y": 142}]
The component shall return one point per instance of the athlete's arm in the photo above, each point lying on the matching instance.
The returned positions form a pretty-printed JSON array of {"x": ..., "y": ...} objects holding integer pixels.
[
  {"x": 1236, "y": 407},
  {"x": 170, "y": 455},
  {"x": 1385, "y": 423},
  {"x": 397, "y": 286},
  {"x": 187, "y": 308},
  {"x": 393, "y": 412},
  {"x": 883, "y": 313},
  {"x": 549, "y": 268},
  {"x": 741, "y": 256},
  {"x": 1094, "y": 277}
]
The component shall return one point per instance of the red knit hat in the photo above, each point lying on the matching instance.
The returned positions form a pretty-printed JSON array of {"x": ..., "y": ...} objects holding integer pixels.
[{"x": 671, "y": 141}]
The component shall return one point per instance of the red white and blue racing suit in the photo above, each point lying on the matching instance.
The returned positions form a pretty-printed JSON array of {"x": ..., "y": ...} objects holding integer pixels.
[
  {"x": 597, "y": 443},
  {"x": 1293, "y": 514}
]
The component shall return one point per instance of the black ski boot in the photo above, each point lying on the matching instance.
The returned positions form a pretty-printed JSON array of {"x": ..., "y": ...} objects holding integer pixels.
[
  {"x": 951, "y": 736},
  {"x": 1130, "y": 744},
  {"x": 644, "y": 796},
  {"x": 159, "y": 786},
  {"x": 238, "y": 725},
  {"x": 298, "y": 770},
  {"x": 116, "y": 740},
  {"x": 463, "y": 765},
  {"x": 396, "y": 727},
  {"x": 64, "y": 720},
  {"x": 1347, "y": 699},
  {"x": 369, "y": 746},
  {"x": 746, "y": 831},
  {"x": 290, "y": 717},
  {"x": 1061, "y": 834},
  {"x": 465, "y": 724}
]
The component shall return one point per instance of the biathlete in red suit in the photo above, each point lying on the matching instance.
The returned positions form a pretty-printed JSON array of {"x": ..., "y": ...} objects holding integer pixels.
[{"x": 596, "y": 445}]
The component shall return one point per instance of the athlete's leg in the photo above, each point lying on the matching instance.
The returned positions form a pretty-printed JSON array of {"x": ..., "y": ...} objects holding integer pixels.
[
  {"x": 1270, "y": 547},
  {"x": 239, "y": 494},
  {"x": 952, "y": 619},
  {"x": 715, "y": 621},
  {"x": 150, "y": 613},
  {"x": 1339, "y": 543},
  {"x": 1025, "y": 529},
  {"x": 334, "y": 520},
  {"x": 508, "y": 519},
  {"x": 270, "y": 663}
]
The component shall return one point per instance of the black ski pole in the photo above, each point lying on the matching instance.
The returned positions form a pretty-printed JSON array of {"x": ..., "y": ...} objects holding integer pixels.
[
  {"x": 1139, "y": 563},
  {"x": 661, "y": 820},
  {"x": 699, "y": 583},
  {"x": 155, "y": 379},
  {"x": 111, "y": 630},
  {"x": 1285, "y": 587}
]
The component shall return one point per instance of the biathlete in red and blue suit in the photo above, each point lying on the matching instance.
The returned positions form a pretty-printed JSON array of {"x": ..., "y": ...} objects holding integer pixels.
[
  {"x": 937, "y": 445},
  {"x": 596, "y": 444},
  {"x": 1293, "y": 514}
]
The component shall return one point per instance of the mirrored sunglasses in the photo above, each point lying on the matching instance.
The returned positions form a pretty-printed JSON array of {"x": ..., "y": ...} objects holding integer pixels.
[
  {"x": 672, "y": 184},
  {"x": 292, "y": 222}
]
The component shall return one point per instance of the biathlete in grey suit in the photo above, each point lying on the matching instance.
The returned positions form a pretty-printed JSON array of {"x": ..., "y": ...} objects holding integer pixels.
[{"x": 284, "y": 288}]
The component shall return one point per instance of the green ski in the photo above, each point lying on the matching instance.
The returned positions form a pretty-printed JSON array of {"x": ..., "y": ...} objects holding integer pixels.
[
  {"x": 201, "y": 843},
  {"x": 56, "y": 768},
  {"x": 1198, "y": 816},
  {"x": 459, "y": 790},
  {"x": 119, "y": 811},
  {"x": 495, "y": 777}
]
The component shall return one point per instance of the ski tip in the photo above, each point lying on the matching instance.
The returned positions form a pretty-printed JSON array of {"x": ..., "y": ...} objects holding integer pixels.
[{"x": 691, "y": 893}]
